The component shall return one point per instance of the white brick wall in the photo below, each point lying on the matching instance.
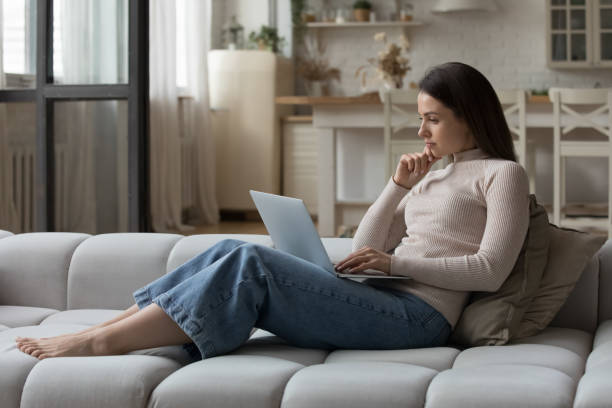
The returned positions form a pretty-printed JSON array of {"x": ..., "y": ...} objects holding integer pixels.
[{"x": 508, "y": 46}]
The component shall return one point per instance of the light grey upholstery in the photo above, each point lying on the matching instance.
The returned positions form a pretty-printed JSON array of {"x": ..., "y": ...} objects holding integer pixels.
[
  {"x": 359, "y": 384},
  {"x": 188, "y": 247},
  {"x": 226, "y": 382},
  {"x": 106, "y": 269},
  {"x": 4, "y": 234},
  {"x": 55, "y": 283},
  {"x": 34, "y": 268},
  {"x": 501, "y": 386},
  {"x": 87, "y": 317},
  {"x": 16, "y": 316},
  {"x": 132, "y": 379}
]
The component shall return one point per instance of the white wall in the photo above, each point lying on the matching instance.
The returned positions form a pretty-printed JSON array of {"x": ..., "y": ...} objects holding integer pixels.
[{"x": 508, "y": 46}]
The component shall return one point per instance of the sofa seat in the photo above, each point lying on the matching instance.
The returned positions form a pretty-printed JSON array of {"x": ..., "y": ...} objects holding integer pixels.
[
  {"x": 594, "y": 388},
  {"x": 544, "y": 370},
  {"x": 15, "y": 365},
  {"x": 17, "y": 316},
  {"x": 87, "y": 317}
]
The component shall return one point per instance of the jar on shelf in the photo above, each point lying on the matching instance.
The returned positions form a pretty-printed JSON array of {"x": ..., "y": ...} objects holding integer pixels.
[
  {"x": 342, "y": 15},
  {"x": 328, "y": 15},
  {"x": 309, "y": 15},
  {"x": 406, "y": 12},
  {"x": 233, "y": 35}
]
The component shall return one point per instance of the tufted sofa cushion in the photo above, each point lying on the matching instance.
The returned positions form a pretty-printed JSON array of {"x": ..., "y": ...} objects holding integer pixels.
[
  {"x": 34, "y": 268},
  {"x": 106, "y": 269}
]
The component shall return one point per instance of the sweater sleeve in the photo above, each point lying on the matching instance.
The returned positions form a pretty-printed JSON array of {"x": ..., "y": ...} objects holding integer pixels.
[
  {"x": 383, "y": 226},
  {"x": 506, "y": 192}
]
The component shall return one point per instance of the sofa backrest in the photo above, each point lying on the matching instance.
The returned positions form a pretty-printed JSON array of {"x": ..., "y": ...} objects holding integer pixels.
[
  {"x": 605, "y": 282},
  {"x": 34, "y": 268},
  {"x": 106, "y": 269},
  {"x": 79, "y": 271}
]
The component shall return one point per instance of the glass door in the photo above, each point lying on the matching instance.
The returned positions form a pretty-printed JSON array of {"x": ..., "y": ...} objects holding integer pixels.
[{"x": 89, "y": 90}]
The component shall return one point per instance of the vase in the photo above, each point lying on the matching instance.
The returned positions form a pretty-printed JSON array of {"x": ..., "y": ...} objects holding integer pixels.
[
  {"x": 395, "y": 82},
  {"x": 361, "y": 15},
  {"x": 317, "y": 88}
]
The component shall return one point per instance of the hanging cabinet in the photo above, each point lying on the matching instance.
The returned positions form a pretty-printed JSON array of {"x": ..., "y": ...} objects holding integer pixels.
[{"x": 579, "y": 33}]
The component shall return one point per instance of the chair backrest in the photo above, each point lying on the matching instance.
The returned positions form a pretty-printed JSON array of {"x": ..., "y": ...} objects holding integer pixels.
[
  {"x": 399, "y": 112},
  {"x": 564, "y": 101},
  {"x": 514, "y": 104}
]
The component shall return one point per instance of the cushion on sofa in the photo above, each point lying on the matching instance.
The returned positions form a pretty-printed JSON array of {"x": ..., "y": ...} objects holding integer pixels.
[
  {"x": 362, "y": 384},
  {"x": 581, "y": 307},
  {"x": 188, "y": 247},
  {"x": 226, "y": 382},
  {"x": 15, "y": 366},
  {"x": 577, "y": 341},
  {"x": 108, "y": 381},
  {"x": 17, "y": 316},
  {"x": 493, "y": 318},
  {"x": 106, "y": 269},
  {"x": 4, "y": 234},
  {"x": 501, "y": 386},
  {"x": 34, "y": 268},
  {"x": 436, "y": 358},
  {"x": 86, "y": 317},
  {"x": 594, "y": 388},
  {"x": 569, "y": 254}
]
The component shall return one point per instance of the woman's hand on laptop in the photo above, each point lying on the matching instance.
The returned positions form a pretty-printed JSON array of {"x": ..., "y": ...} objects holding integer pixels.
[{"x": 363, "y": 259}]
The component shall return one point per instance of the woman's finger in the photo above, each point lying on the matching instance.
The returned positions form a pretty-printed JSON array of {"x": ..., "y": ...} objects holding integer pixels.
[{"x": 353, "y": 262}]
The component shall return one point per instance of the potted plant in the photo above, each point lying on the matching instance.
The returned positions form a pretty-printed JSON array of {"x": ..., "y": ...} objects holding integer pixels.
[
  {"x": 361, "y": 10},
  {"x": 267, "y": 39}
]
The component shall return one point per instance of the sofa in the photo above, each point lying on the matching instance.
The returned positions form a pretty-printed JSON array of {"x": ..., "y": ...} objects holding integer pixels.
[{"x": 55, "y": 283}]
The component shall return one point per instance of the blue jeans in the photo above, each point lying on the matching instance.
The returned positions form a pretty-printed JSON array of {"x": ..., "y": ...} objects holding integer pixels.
[{"x": 217, "y": 297}]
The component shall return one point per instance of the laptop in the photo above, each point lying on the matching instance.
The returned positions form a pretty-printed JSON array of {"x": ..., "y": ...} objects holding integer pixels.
[{"x": 292, "y": 230}]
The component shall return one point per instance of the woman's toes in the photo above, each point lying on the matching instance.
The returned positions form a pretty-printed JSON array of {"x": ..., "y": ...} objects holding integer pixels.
[{"x": 36, "y": 353}]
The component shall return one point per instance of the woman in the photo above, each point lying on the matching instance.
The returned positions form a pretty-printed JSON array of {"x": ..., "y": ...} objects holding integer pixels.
[{"x": 453, "y": 231}]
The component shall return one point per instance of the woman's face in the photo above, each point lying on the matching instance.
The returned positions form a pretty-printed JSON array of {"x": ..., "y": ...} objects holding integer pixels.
[{"x": 441, "y": 130}]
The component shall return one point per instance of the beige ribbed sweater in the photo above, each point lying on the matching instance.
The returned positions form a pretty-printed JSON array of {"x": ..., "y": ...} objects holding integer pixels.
[{"x": 459, "y": 229}]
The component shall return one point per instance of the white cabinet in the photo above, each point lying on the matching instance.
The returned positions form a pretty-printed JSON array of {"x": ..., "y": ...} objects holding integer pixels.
[
  {"x": 246, "y": 122},
  {"x": 300, "y": 157},
  {"x": 579, "y": 33}
]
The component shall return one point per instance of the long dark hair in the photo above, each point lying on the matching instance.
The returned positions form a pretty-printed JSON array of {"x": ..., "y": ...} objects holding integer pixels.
[{"x": 471, "y": 97}]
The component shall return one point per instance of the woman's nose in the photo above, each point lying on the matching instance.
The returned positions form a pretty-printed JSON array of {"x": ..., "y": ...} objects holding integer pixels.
[{"x": 422, "y": 130}]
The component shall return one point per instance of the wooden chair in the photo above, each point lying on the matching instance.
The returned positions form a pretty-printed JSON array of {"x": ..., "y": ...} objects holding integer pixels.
[
  {"x": 514, "y": 104},
  {"x": 572, "y": 109}
]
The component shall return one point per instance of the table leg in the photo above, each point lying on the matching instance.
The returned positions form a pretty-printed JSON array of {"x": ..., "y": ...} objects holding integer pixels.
[{"x": 327, "y": 182}]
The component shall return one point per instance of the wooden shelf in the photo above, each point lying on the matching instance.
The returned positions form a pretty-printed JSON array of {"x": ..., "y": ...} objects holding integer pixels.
[{"x": 354, "y": 24}]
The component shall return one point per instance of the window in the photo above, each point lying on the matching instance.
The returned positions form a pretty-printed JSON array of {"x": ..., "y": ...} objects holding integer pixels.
[
  {"x": 19, "y": 39},
  {"x": 181, "y": 46}
]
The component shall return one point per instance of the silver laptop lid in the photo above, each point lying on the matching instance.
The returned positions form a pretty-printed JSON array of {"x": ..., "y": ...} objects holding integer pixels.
[{"x": 291, "y": 227}]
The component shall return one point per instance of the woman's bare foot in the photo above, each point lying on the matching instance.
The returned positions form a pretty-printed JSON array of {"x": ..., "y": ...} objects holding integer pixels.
[{"x": 79, "y": 344}]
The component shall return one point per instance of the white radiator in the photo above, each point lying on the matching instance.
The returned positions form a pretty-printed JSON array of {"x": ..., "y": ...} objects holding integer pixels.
[{"x": 22, "y": 185}]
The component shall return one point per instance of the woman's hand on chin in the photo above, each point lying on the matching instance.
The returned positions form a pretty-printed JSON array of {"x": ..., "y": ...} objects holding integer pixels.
[{"x": 412, "y": 167}]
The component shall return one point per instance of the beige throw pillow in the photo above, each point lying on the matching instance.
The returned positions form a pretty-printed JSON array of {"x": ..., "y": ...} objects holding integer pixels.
[
  {"x": 569, "y": 253},
  {"x": 494, "y": 318}
]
